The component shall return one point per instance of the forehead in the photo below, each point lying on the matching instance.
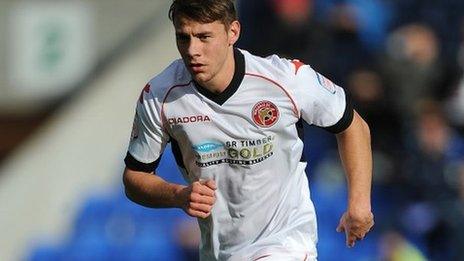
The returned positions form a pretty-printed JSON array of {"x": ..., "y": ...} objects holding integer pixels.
[{"x": 185, "y": 25}]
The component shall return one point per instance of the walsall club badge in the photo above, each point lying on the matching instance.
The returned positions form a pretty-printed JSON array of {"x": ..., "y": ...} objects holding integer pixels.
[{"x": 265, "y": 114}]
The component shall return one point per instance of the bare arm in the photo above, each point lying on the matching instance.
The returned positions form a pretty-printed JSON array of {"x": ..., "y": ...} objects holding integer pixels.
[
  {"x": 354, "y": 146},
  {"x": 152, "y": 191}
]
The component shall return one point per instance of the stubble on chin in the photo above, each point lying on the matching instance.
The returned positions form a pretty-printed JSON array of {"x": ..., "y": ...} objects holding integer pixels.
[{"x": 200, "y": 78}]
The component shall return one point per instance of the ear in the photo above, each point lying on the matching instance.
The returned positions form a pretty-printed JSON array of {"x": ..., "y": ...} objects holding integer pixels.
[{"x": 234, "y": 32}]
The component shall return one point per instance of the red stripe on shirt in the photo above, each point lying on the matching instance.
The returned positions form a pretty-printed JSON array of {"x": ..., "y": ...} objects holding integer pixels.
[{"x": 163, "y": 116}]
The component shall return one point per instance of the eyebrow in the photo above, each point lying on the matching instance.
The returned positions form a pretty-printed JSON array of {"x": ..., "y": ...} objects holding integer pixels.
[
  {"x": 182, "y": 34},
  {"x": 203, "y": 33}
]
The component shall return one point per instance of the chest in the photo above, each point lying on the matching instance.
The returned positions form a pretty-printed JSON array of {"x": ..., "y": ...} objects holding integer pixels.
[
  {"x": 251, "y": 128},
  {"x": 257, "y": 110}
]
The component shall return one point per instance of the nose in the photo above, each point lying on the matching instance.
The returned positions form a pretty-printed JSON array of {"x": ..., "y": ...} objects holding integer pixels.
[{"x": 194, "y": 47}]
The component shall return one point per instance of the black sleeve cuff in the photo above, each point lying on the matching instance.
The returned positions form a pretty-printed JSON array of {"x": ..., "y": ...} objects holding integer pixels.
[
  {"x": 133, "y": 164},
  {"x": 346, "y": 119}
]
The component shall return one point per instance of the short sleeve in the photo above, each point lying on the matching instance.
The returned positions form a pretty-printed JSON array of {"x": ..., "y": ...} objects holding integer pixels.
[
  {"x": 322, "y": 103},
  {"x": 148, "y": 139}
]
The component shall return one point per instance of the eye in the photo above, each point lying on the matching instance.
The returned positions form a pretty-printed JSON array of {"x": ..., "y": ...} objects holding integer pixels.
[{"x": 204, "y": 37}]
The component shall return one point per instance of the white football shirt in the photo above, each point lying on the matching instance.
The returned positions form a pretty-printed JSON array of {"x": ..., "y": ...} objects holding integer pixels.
[{"x": 246, "y": 139}]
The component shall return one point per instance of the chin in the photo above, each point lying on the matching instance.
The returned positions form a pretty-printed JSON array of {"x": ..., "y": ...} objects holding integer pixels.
[{"x": 201, "y": 78}]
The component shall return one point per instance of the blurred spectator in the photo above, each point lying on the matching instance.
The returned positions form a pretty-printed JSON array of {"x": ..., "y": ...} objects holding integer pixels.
[
  {"x": 372, "y": 18},
  {"x": 432, "y": 180},
  {"x": 436, "y": 147},
  {"x": 346, "y": 49},
  {"x": 283, "y": 27},
  {"x": 455, "y": 103},
  {"x": 288, "y": 27},
  {"x": 370, "y": 99},
  {"x": 444, "y": 17},
  {"x": 413, "y": 68},
  {"x": 455, "y": 106}
]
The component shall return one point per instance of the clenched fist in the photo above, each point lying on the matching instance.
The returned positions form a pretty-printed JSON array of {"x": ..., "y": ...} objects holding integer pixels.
[
  {"x": 355, "y": 226},
  {"x": 198, "y": 198}
]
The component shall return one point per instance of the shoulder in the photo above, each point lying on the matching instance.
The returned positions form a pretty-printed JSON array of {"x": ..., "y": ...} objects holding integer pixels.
[
  {"x": 291, "y": 75},
  {"x": 174, "y": 75},
  {"x": 272, "y": 66}
]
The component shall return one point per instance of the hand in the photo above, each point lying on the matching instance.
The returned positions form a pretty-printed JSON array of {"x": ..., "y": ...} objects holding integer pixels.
[
  {"x": 355, "y": 226},
  {"x": 198, "y": 198}
]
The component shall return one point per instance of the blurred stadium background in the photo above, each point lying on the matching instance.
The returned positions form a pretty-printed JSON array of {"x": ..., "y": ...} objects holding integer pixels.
[{"x": 71, "y": 71}]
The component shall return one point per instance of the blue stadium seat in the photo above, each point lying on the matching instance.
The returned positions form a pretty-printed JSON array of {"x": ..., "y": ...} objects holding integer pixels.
[{"x": 46, "y": 252}]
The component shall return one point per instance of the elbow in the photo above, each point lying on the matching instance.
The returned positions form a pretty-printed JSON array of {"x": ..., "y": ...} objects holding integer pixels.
[
  {"x": 127, "y": 181},
  {"x": 129, "y": 196}
]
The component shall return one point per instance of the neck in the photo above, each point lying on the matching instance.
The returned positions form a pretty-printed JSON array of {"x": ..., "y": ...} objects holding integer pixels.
[{"x": 224, "y": 77}]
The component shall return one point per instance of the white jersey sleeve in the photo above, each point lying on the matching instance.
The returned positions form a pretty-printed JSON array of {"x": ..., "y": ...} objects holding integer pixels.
[
  {"x": 148, "y": 138},
  {"x": 322, "y": 103}
]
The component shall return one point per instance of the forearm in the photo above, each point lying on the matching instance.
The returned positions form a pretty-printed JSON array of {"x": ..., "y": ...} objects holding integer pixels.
[
  {"x": 151, "y": 190},
  {"x": 356, "y": 155}
]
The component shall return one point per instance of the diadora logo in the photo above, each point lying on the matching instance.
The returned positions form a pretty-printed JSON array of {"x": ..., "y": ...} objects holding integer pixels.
[
  {"x": 188, "y": 119},
  {"x": 207, "y": 147},
  {"x": 265, "y": 114}
]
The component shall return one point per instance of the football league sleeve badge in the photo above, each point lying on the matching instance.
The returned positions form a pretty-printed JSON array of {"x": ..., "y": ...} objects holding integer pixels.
[{"x": 326, "y": 83}]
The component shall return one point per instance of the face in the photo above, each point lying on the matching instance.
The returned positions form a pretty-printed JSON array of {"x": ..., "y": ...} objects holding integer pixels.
[{"x": 207, "y": 49}]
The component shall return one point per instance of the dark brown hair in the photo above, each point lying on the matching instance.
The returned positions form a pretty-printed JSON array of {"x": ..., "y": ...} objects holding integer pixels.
[{"x": 204, "y": 11}]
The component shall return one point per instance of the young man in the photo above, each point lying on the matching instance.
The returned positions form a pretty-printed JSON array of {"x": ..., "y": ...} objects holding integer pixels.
[{"x": 231, "y": 119}]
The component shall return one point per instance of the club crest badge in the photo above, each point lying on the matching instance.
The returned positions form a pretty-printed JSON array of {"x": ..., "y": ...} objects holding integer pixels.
[{"x": 265, "y": 114}]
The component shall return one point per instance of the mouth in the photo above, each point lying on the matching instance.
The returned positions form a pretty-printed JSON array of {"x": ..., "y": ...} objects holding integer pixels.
[{"x": 196, "y": 67}]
